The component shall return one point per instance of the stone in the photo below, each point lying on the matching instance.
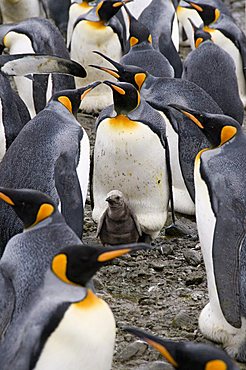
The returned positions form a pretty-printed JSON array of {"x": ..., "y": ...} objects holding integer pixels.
[
  {"x": 136, "y": 348},
  {"x": 193, "y": 258}
]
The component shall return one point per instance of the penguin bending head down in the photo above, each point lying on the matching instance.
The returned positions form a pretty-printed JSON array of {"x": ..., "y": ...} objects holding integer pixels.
[{"x": 187, "y": 355}]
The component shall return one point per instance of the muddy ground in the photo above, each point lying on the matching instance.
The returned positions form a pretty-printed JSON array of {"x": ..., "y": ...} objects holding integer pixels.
[{"x": 162, "y": 290}]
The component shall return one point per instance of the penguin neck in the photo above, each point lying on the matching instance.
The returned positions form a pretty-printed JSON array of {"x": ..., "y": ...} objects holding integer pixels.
[
  {"x": 56, "y": 217},
  {"x": 89, "y": 302},
  {"x": 150, "y": 79},
  {"x": 117, "y": 213}
]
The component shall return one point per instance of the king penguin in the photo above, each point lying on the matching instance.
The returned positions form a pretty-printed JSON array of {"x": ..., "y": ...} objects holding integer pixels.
[
  {"x": 187, "y": 355},
  {"x": 37, "y": 35},
  {"x": 222, "y": 83},
  {"x": 221, "y": 213},
  {"x": 184, "y": 140},
  {"x": 50, "y": 154},
  {"x": 142, "y": 52},
  {"x": 130, "y": 155},
  {"x": 228, "y": 36},
  {"x": 98, "y": 29},
  {"x": 186, "y": 13},
  {"x": 66, "y": 326},
  {"x": 58, "y": 11},
  {"x": 28, "y": 254}
]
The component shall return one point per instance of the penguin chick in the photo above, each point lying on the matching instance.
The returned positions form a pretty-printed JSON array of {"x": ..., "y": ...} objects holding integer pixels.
[
  {"x": 187, "y": 355},
  {"x": 118, "y": 224},
  {"x": 66, "y": 325}
]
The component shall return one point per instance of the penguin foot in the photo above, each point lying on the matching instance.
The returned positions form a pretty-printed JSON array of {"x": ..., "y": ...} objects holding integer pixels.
[
  {"x": 215, "y": 328},
  {"x": 177, "y": 230},
  {"x": 145, "y": 238}
]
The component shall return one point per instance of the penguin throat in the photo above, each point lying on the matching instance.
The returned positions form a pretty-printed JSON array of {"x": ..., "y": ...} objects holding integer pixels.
[
  {"x": 90, "y": 301},
  {"x": 122, "y": 122},
  {"x": 98, "y": 25}
]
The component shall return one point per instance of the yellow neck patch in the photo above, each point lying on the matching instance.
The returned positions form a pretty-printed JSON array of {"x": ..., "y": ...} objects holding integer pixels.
[
  {"x": 208, "y": 29},
  {"x": 139, "y": 79},
  {"x": 6, "y": 199},
  {"x": 84, "y": 4},
  {"x": 217, "y": 15},
  {"x": 66, "y": 102},
  {"x": 227, "y": 133},
  {"x": 44, "y": 211},
  {"x": 122, "y": 122},
  {"x": 198, "y": 41},
  {"x": 99, "y": 7},
  {"x": 59, "y": 267},
  {"x": 198, "y": 156},
  {"x": 150, "y": 39},
  {"x": 133, "y": 41},
  {"x": 216, "y": 365},
  {"x": 107, "y": 256},
  {"x": 90, "y": 301},
  {"x": 162, "y": 350}
]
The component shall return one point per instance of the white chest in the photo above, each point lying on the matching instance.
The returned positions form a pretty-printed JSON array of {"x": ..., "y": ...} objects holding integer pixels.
[
  {"x": 14, "y": 11},
  {"x": 2, "y": 133},
  {"x": 84, "y": 340},
  {"x": 129, "y": 157}
]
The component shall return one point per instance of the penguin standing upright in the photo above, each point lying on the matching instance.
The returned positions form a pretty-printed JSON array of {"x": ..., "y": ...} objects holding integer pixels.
[
  {"x": 66, "y": 326},
  {"x": 187, "y": 355},
  {"x": 130, "y": 155},
  {"x": 142, "y": 52},
  {"x": 97, "y": 30},
  {"x": 228, "y": 36},
  {"x": 58, "y": 11},
  {"x": 17, "y": 11},
  {"x": 29, "y": 254},
  {"x": 221, "y": 213},
  {"x": 50, "y": 154},
  {"x": 76, "y": 9},
  {"x": 222, "y": 83},
  {"x": 184, "y": 140},
  {"x": 36, "y": 35}
]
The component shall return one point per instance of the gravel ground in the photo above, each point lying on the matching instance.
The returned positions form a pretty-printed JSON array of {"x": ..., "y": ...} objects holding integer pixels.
[{"x": 161, "y": 290}]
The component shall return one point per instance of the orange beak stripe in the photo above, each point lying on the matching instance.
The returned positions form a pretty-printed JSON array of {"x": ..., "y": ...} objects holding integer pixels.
[
  {"x": 193, "y": 118},
  {"x": 6, "y": 199},
  {"x": 119, "y": 90},
  {"x": 162, "y": 350},
  {"x": 107, "y": 256}
]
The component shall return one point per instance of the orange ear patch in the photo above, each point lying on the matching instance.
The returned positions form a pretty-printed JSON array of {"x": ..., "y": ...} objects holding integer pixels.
[
  {"x": 198, "y": 41},
  {"x": 59, "y": 267},
  {"x": 66, "y": 102},
  {"x": 139, "y": 79},
  {"x": 133, "y": 41},
  {"x": 216, "y": 365},
  {"x": 227, "y": 133},
  {"x": 44, "y": 211}
]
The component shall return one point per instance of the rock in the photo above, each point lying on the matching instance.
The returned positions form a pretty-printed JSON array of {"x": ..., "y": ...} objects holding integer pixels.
[
  {"x": 133, "y": 349},
  {"x": 194, "y": 278},
  {"x": 98, "y": 284},
  {"x": 182, "y": 321},
  {"x": 157, "y": 266},
  {"x": 157, "y": 365},
  {"x": 193, "y": 258}
]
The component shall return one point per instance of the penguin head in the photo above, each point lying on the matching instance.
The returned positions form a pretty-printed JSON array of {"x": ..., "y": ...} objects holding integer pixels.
[
  {"x": 208, "y": 13},
  {"x": 137, "y": 30},
  {"x": 200, "y": 35},
  {"x": 106, "y": 9},
  {"x": 187, "y": 355},
  {"x": 71, "y": 99},
  {"x": 115, "y": 199},
  {"x": 78, "y": 264},
  {"x": 124, "y": 73},
  {"x": 31, "y": 206},
  {"x": 218, "y": 128},
  {"x": 126, "y": 96}
]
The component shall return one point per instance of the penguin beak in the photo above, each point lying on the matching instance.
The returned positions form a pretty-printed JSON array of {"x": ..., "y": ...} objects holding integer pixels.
[
  {"x": 119, "y": 67},
  {"x": 189, "y": 114},
  {"x": 195, "y": 6},
  {"x": 195, "y": 28},
  {"x": 115, "y": 87},
  {"x": 85, "y": 90},
  {"x": 6, "y": 199},
  {"x": 107, "y": 70},
  {"x": 154, "y": 342},
  {"x": 111, "y": 253}
]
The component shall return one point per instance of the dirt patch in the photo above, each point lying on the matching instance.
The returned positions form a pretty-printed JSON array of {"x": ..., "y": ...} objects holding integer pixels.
[{"x": 161, "y": 290}]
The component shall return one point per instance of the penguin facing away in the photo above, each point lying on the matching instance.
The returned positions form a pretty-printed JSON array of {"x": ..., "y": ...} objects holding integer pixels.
[
  {"x": 98, "y": 29},
  {"x": 28, "y": 254},
  {"x": 67, "y": 325},
  {"x": 220, "y": 212},
  {"x": 187, "y": 355},
  {"x": 118, "y": 224},
  {"x": 130, "y": 155},
  {"x": 222, "y": 84},
  {"x": 36, "y": 36},
  {"x": 228, "y": 36},
  {"x": 159, "y": 92},
  {"x": 50, "y": 154}
]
